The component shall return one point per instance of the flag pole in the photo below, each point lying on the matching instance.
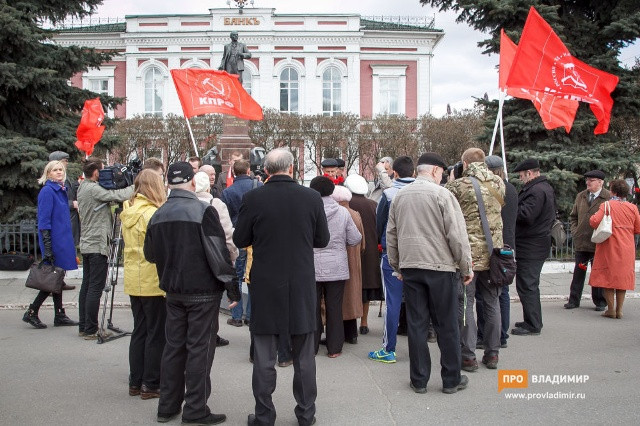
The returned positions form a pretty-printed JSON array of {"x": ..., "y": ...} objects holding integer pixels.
[
  {"x": 193, "y": 140},
  {"x": 504, "y": 151},
  {"x": 498, "y": 121}
]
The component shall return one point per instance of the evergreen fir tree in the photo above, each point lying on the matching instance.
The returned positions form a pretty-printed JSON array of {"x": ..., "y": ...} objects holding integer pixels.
[
  {"x": 39, "y": 110},
  {"x": 594, "y": 32}
]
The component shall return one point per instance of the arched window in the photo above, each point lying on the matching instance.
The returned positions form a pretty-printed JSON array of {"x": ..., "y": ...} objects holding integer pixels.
[
  {"x": 331, "y": 91},
  {"x": 153, "y": 91},
  {"x": 247, "y": 78},
  {"x": 289, "y": 87}
]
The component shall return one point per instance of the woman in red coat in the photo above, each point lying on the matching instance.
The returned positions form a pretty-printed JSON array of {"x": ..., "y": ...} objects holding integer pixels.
[{"x": 613, "y": 266}]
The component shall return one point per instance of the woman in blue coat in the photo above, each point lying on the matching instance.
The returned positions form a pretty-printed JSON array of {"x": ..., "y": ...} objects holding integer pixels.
[{"x": 55, "y": 238}]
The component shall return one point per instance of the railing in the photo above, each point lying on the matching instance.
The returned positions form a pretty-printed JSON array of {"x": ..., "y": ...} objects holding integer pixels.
[
  {"x": 19, "y": 237},
  {"x": 413, "y": 21}
]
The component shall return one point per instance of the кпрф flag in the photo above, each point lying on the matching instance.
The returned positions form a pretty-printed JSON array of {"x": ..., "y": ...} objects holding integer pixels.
[
  {"x": 554, "y": 111},
  {"x": 90, "y": 128},
  {"x": 544, "y": 64},
  {"x": 211, "y": 91}
]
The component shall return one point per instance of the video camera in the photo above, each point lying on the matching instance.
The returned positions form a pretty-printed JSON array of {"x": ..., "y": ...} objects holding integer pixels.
[
  {"x": 119, "y": 176},
  {"x": 213, "y": 159},
  {"x": 457, "y": 170},
  {"x": 256, "y": 161}
]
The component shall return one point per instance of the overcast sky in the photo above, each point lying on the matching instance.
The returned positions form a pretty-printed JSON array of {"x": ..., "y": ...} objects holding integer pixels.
[{"x": 459, "y": 71}]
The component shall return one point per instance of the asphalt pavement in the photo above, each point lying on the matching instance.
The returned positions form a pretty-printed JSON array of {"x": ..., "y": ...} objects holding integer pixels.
[{"x": 584, "y": 361}]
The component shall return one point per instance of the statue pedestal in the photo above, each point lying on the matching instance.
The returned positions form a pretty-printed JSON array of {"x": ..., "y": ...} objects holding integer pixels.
[{"x": 235, "y": 137}]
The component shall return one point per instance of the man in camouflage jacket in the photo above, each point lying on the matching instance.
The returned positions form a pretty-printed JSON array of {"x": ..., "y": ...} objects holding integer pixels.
[{"x": 493, "y": 190}]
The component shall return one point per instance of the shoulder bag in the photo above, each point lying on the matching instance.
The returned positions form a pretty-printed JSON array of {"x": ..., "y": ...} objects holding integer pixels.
[
  {"x": 45, "y": 277},
  {"x": 605, "y": 229},
  {"x": 502, "y": 262}
]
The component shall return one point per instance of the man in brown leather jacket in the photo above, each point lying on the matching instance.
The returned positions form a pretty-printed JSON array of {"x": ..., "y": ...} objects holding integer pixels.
[{"x": 586, "y": 204}]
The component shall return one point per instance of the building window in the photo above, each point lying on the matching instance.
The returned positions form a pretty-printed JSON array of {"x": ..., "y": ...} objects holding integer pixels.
[
  {"x": 99, "y": 86},
  {"x": 247, "y": 78},
  {"x": 389, "y": 95},
  {"x": 331, "y": 91},
  {"x": 153, "y": 91},
  {"x": 289, "y": 87}
]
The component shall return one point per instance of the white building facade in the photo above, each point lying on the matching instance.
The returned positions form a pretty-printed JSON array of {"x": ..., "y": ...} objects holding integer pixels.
[{"x": 301, "y": 63}]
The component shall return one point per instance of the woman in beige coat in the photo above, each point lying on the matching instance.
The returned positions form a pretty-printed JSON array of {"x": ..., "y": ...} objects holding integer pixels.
[{"x": 352, "y": 301}]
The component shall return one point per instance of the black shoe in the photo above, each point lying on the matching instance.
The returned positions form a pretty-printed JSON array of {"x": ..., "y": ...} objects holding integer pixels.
[
  {"x": 61, "y": 319},
  {"x": 220, "y": 341},
  {"x": 247, "y": 322},
  {"x": 464, "y": 381},
  {"x": 364, "y": 329},
  {"x": 211, "y": 419},
  {"x": 353, "y": 341},
  {"x": 601, "y": 308},
  {"x": 520, "y": 324},
  {"x": 417, "y": 389},
  {"x": 402, "y": 331},
  {"x": 323, "y": 341},
  {"x": 134, "y": 390},
  {"x": 503, "y": 345},
  {"x": 432, "y": 337},
  {"x": 479, "y": 345},
  {"x": 31, "y": 317},
  {"x": 68, "y": 287},
  {"x": 164, "y": 418},
  {"x": 285, "y": 363},
  {"x": 569, "y": 305},
  {"x": 521, "y": 331},
  {"x": 251, "y": 420},
  {"x": 234, "y": 322}
]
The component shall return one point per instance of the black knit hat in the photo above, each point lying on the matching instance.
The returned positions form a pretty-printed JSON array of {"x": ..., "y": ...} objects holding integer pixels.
[
  {"x": 323, "y": 185},
  {"x": 180, "y": 172}
]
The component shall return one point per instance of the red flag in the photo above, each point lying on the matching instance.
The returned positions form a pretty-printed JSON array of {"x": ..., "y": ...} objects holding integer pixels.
[
  {"x": 543, "y": 63},
  {"x": 230, "y": 176},
  {"x": 90, "y": 128},
  {"x": 212, "y": 91},
  {"x": 554, "y": 112}
]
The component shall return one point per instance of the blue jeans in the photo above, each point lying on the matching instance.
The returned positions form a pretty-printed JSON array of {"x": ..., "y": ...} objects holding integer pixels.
[
  {"x": 393, "y": 299},
  {"x": 241, "y": 263}
]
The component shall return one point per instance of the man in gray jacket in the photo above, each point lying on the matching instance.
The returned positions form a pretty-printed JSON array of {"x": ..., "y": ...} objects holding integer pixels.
[
  {"x": 427, "y": 242},
  {"x": 96, "y": 226}
]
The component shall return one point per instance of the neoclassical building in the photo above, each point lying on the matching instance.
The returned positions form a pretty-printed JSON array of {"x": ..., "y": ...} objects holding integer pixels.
[{"x": 301, "y": 63}]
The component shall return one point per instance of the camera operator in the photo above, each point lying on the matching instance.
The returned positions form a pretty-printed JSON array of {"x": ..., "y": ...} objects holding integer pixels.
[{"x": 96, "y": 226}]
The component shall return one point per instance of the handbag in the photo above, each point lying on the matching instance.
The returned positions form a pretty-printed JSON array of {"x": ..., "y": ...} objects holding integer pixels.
[
  {"x": 605, "y": 229},
  {"x": 15, "y": 261},
  {"x": 45, "y": 277},
  {"x": 502, "y": 262}
]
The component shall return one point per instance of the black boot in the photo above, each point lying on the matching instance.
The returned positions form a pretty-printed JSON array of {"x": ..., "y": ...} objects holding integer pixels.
[
  {"x": 31, "y": 317},
  {"x": 61, "y": 319}
]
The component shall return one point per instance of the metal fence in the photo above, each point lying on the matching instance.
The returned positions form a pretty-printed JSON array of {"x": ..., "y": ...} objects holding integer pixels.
[{"x": 19, "y": 237}]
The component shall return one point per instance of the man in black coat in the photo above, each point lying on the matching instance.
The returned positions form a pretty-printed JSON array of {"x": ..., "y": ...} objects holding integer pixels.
[
  {"x": 536, "y": 214},
  {"x": 283, "y": 221},
  {"x": 187, "y": 243}
]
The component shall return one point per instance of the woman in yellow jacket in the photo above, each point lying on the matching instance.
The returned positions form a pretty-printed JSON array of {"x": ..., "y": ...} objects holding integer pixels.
[{"x": 142, "y": 285}]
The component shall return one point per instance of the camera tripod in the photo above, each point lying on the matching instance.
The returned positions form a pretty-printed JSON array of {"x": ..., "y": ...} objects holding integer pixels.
[{"x": 115, "y": 256}]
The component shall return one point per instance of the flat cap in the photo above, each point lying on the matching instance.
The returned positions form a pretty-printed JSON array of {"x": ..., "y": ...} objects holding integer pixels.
[
  {"x": 58, "y": 156},
  {"x": 433, "y": 159},
  {"x": 340, "y": 162},
  {"x": 180, "y": 172},
  {"x": 356, "y": 184},
  {"x": 329, "y": 162},
  {"x": 528, "y": 164},
  {"x": 494, "y": 162},
  {"x": 598, "y": 174}
]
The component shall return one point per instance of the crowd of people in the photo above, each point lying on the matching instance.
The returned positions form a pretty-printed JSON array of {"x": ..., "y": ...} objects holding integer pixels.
[{"x": 421, "y": 238}]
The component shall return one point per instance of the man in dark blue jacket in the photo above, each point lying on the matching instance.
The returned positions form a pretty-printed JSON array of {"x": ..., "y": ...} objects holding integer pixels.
[
  {"x": 187, "y": 243},
  {"x": 232, "y": 197},
  {"x": 536, "y": 213}
]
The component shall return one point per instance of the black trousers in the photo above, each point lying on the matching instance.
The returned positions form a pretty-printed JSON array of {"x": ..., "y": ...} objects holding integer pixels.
[
  {"x": 42, "y": 296},
  {"x": 94, "y": 278},
  {"x": 333, "y": 292},
  {"x": 583, "y": 258},
  {"x": 528, "y": 287},
  {"x": 350, "y": 329},
  {"x": 432, "y": 294},
  {"x": 304, "y": 377},
  {"x": 147, "y": 340},
  {"x": 284, "y": 348},
  {"x": 191, "y": 330}
]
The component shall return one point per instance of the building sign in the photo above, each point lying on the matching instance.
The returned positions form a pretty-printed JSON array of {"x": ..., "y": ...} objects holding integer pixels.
[{"x": 241, "y": 21}]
